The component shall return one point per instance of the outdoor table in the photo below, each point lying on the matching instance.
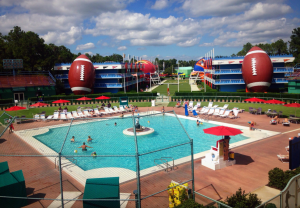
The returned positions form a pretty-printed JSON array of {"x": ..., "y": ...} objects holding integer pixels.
[
  {"x": 253, "y": 111},
  {"x": 296, "y": 119},
  {"x": 273, "y": 114}
]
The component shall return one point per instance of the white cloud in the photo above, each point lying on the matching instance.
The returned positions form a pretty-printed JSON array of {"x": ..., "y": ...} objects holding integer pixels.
[
  {"x": 60, "y": 38},
  {"x": 160, "y": 4},
  {"x": 89, "y": 52},
  {"x": 85, "y": 46},
  {"x": 189, "y": 43},
  {"x": 122, "y": 48}
]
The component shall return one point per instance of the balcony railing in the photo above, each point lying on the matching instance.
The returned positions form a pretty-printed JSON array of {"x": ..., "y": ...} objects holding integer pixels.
[
  {"x": 102, "y": 76},
  {"x": 239, "y": 71},
  {"x": 240, "y": 81}
]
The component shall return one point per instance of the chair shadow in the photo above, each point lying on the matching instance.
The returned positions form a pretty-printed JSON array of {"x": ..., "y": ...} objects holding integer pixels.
[
  {"x": 38, "y": 195},
  {"x": 242, "y": 159},
  {"x": 2, "y": 140}
]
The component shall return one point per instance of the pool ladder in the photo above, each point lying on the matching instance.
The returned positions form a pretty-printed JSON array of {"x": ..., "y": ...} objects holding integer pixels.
[
  {"x": 64, "y": 164},
  {"x": 165, "y": 164}
]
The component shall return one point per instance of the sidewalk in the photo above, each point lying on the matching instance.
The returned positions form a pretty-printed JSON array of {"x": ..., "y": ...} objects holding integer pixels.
[{"x": 155, "y": 86}]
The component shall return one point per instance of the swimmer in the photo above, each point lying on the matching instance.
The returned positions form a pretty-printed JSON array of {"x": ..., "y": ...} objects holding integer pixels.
[
  {"x": 94, "y": 154},
  {"x": 198, "y": 122},
  {"x": 122, "y": 115},
  {"x": 115, "y": 123},
  {"x": 73, "y": 139},
  {"x": 89, "y": 139},
  {"x": 84, "y": 146},
  {"x": 163, "y": 110}
]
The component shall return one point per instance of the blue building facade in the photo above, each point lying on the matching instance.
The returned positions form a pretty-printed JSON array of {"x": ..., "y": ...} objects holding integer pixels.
[
  {"x": 109, "y": 76},
  {"x": 226, "y": 75}
]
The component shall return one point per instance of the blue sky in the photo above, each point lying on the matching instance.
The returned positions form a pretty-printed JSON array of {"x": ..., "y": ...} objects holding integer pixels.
[{"x": 181, "y": 29}]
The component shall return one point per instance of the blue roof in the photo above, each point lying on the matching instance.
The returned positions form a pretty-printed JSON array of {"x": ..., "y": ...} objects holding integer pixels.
[
  {"x": 242, "y": 57},
  {"x": 104, "y": 63}
]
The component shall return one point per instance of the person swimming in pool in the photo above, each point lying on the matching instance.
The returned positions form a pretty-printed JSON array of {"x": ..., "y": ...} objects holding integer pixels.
[
  {"x": 89, "y": 139},
  {"x": 73, "y": 139},
  {"x": 198, "y": 122},
  {"x": 84, "y": 146}
]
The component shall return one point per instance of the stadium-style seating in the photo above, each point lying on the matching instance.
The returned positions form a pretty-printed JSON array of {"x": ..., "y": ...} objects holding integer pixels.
[{"x": 25, "y": 81}]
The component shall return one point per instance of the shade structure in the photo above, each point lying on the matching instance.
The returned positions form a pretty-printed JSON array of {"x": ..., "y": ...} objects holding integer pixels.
[
  {"x": 254, "y": 99},
  {"x": 15, "y": 108},
  {"x": 222, "y": 131},
  {"x": 84, "y": 98},
  {"x": 295, "y": 105},
  {"x": 61, "y": 101},
  {"x": 38, "y": 104},
  {"x": 102, "y": 98},
  {"x": 274, "y": 102}
]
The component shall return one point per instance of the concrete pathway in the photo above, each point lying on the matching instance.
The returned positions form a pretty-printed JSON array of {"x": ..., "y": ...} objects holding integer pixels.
[{"x": 155, "y": 86}]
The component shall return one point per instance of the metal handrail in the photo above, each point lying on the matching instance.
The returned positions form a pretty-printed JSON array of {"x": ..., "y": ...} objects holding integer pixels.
[
  {"x": 173, "y": 162},
  {"x": 67, "y": 158},
  {"x": 165, "y": 163}
]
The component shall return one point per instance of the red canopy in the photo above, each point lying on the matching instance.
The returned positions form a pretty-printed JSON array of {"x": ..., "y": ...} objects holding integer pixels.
[
  {"x": 102, "y": 98},
  {"x": 38, "y": 104},
  {"x": 254, "y": 99},
  {"x": 222, "y": 131},
  {"x": 61, "y": 101},
  {"x": 295, "y": 105},
  {"x": 274, "y": 101},
  {"x": 84, "y": 98},
  {"x": 15, "y": 108}
]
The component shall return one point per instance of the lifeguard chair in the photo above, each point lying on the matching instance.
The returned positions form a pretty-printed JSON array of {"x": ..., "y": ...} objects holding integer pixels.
[{"x": 123, "y": 101}]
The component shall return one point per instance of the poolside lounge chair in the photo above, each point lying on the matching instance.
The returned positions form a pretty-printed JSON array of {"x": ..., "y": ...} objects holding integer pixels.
[
  {"x": 210, "y": 112},
  {"x": 63, "y": 116},
  {"x": 49, "y": 118},
  {"x": 122, "y": 109},
  {"x": 36, "y": 117},
  {"x": 86, "y": 113},
  {"x": 42, "y": 117},
  {"x": 283, "y": 158},
  {"x": 273, "y": 122},
  {"x": 235, "y": 114},
  {"x": 210, "y": 105},
  {"x": 111, "y": 110},
  {"x": 178, "y": 104},
  {"x": 191, "y": 104},
  {"x": 221, "y": 112},
  {"x": 287, "y": 148},
  {"x": 204, "y": 111},
  {"x": 286, "y": 123},
  {"x": 215, "y": 106},
  {"x": 117, "y": 110},
  {"x": 96, "y": 112},
  {"x": 107, "y": 111},
  {"x": 226, "y": 114},
  {"x": 194, "y": 108},
  {"x": 216, "y": 112},
  {"x": 55, "y": 116},
  {"x": 225, "y": 106},
  {"x": 81, "y": 114},
  {"x": 198, "y": 104},
  {"x": 75, "y": 114},
  {"x": 69, "y": 115}
]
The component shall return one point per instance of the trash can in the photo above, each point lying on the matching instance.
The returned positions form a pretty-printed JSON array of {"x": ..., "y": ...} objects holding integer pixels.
[
  {"x": 231, "y": 155},
  {"x": 153, "y": 103}
]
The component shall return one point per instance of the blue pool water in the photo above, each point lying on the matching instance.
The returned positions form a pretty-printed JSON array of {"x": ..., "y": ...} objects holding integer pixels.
[{"x": 109, "y": 139}]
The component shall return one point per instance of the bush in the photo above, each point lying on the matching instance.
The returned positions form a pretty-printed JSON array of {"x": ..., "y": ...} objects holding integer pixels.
[
  {"x": 270, "y": 205},
  {"x": 241, "y": 200},
  {"x": 279, "y": 179}
]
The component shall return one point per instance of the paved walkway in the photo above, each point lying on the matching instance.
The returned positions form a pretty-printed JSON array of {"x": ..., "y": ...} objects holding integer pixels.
[
  {"x": 250, "y": 173},
  {"x": 155, "y": 86}
]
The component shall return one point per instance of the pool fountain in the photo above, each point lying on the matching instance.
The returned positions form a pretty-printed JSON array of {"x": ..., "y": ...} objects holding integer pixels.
[{"x": 139, "y": 129}]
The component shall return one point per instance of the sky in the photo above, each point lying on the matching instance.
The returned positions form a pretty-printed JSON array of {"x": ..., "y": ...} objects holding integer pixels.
[{"x": 166, "y": 29}]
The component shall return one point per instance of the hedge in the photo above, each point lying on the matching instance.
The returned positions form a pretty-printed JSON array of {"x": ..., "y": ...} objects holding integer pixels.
[{"x": 279, "y": 178}]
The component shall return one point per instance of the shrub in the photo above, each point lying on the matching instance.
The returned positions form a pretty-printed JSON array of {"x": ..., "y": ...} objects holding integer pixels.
[
  {"x": 276, "y": 178},
  {"x": 190, "y": 203},
  {"x": 241, "y": 200},
  {"x": 270, "y": 205}
]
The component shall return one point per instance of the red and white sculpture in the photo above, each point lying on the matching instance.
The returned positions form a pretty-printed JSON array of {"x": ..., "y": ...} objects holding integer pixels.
[
  {"x": 82, "y": 75},
  {"x": 257, "y": 70}
]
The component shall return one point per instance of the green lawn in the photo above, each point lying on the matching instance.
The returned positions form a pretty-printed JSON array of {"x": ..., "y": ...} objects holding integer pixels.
[
  {"x": 287, "y": 111},
  {"x": 29, "y": 113},
  {"x": 183, "y": 86}
]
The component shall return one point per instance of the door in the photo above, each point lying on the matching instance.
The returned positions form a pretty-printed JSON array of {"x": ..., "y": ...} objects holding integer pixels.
[{"x": 19, "y": 96}]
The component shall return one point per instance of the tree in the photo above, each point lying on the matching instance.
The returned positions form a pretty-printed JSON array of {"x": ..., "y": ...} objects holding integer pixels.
[{"x": 295, "y": 44}]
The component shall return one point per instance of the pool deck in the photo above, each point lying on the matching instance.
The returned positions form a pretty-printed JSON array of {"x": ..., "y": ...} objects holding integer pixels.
[{"x": 254, "y": 160}]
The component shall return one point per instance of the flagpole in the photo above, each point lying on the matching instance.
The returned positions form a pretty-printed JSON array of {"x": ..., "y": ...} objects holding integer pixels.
[{"x": 137, "y": 89}]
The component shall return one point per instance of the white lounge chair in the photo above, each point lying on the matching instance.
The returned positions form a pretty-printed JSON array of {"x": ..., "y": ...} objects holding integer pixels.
[
  {"x": 69, "y": 115},
  {"x": 205, "y": 111},
  {"x": 216, "y": 112},
  {"x": 194, "y": 108},
  {"x": 283, "y": 158},
  {"x": 43, "y": 117},
  {"x": 117, "y": 110},
  {"x": 286, "y": 123},
  {"x": 210, "y": 105},
  {"x": 225, "y": 106},
  {"x": 75, "y": 114},
  {"x": 221, "y": 112},
  {"x": 122, "y": 109},
  {"x": 86, "y": 113},
  {"x": 55, "y": 116},
  {"x": 107, "y": 111},
  {"x": 198, "y": 104},
  {"x": 211, "y": 111},
  {"x": 49, "y": 118},
  {"x": 96, "y": 112},
  {"x": 191, "y": 104},
  {"x": 226, "y": 114},
  {"x": 63, "y": 116},
  {"x": 81, "y": 114},
  {"x": 235, "y": 114},
  {"x": 36, "y": 117},
  {"x": 111, "y": 110},
  {"x": 215, "y": 106}
]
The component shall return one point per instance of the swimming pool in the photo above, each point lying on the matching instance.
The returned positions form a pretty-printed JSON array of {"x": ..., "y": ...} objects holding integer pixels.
[{"x": 109, "y": 139}]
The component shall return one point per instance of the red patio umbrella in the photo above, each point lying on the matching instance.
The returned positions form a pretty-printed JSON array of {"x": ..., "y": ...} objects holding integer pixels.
[
  {"x": 254, "y": 99},
  {"x": 61, "y": 101},
  {"x": 15, "y": 108},
  {"x": 102, "y": 98},
  {"x": 38, "y": 104},
  {"x": 295, "y": 105},
  {"x": 222, "y": 131},
  {"x": 84, "y": 98},
  {"x": 274, "y": 102}
]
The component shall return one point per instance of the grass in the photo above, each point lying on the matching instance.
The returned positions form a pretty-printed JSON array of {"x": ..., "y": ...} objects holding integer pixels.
[
  {"x": 183, "y": 86},
  {"x": 29, "y": 113},
  {"x": 208, "y": 88},
  {"x": 287, "y": 111}
]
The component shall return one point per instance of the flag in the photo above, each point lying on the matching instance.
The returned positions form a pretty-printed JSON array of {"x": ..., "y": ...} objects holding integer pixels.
[
  {"x": 129, "y": 58},
  {"x": 124, "y": 55}
]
